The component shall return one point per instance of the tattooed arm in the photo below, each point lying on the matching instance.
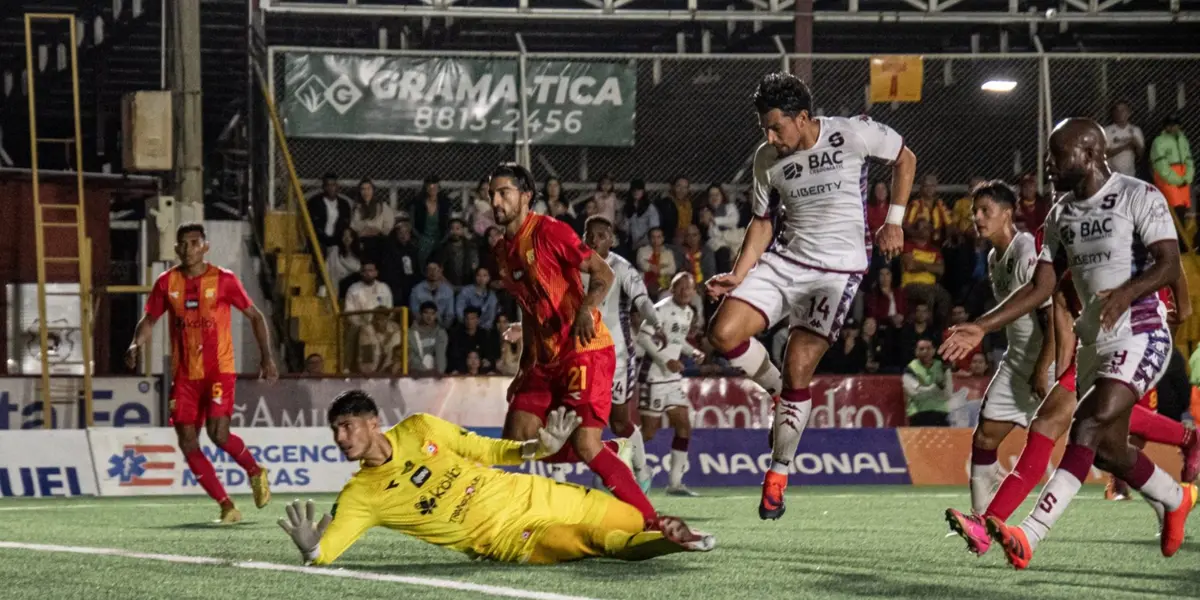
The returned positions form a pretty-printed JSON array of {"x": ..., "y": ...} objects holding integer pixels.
[{"x": 599, "y": 280}]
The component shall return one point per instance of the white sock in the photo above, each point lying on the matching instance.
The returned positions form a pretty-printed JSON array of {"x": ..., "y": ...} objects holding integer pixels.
[
  {"x": 678, "y": 465},
  {"x": 791, "y": 417},
  {"x": 1051, "y": 504},
  {"x": 638, "y": 444},
  {"x": 757, "y": 366},
  {"x": 1163, "y": 488},
  {"x": 1160, "y": 511},
  {"x": 984, "y": 479}
]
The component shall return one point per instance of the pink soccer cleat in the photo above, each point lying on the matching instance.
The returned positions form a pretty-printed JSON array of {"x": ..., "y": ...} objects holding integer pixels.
[
  {"x": 1191, "y": 458},
  {"x": 971, "y": 528}
]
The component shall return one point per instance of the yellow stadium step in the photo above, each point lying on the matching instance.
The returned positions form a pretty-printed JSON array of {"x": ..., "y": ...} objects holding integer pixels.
[
  {"x": 314, "y": 329},
  {"x": 303, "y": 284},
  {"x": 306, "y": 306},
  {"x": 276, "y": 227},
  {"x": 296, "y": 263}
]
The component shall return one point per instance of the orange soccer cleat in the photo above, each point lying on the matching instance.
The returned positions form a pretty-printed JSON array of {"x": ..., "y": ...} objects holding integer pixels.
[
  {"x": 1016, "y": 546},
  {"x": 1174, "y": 521},
  {"x": 771, "y": 506}
]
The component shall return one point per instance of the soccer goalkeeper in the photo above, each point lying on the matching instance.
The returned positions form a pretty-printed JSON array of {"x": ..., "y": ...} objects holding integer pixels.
[{"x": 432, "y": 480}]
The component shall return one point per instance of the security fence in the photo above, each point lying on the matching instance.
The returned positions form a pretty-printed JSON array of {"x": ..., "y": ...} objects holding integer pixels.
[{"x": 363, "y": 113}]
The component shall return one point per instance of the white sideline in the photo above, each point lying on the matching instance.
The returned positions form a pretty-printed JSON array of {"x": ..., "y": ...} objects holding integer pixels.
[{"x": 431, "y": 582}]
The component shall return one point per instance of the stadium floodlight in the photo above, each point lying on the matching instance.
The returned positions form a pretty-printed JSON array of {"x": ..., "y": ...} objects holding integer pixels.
[{"x": 1002, "y": 86}]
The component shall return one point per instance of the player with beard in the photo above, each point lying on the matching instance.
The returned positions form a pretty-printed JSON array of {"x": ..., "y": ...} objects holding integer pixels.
[{"x": 1117, "y": 236}]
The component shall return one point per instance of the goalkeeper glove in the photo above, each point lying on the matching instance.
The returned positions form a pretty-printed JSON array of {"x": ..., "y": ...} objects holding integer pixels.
[
  {"x": 560, "y": 424},
  {"x": 305, "y": 533}
]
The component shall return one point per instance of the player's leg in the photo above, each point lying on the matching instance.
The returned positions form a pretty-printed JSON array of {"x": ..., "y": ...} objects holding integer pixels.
[
  {"x": 985, "y": 468},
  {"x": 621, "y": 419},
  {"x": 187, "y": 416},
  {"x": 1151, "y": 426},
  {"x": 679, "y": 418},
  {"x": 746, "y": 312},
  {"x": 218, "y": 412}
]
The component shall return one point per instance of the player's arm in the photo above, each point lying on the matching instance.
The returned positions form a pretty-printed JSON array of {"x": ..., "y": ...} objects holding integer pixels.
[
  {"x": 1022, "y": 301},
  {"x": 600, "y": 279},
  {"x": 1183, "y": 301},
  {"x": 236, "y": 295},
  {"x": 322, "y": 542},
  {"x": 1039, "y": 381},
  {"x": 491, "y": 451},
  {"x": 645, "y": 339},
  {"x": 1064, "y": 334},
  {"x": 635, "y": 287},
  {"x": 156, "y": 305},
  {"x": 1152, "y": 223},
  {"x": 883, "y": 143}
]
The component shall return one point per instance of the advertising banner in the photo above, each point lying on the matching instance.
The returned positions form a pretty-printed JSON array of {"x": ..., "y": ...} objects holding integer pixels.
[
  {"x": 385, "y": 96},
  {"x": 116, "y": 402},
  {"x": 45, "y": 463},
  {"x": 137, "y": 462}
]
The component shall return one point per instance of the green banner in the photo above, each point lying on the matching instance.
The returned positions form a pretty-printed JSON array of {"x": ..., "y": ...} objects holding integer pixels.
[{"x": 410, "y": 98}]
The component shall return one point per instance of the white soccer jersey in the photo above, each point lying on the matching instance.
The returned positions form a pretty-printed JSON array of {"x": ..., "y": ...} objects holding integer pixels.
[
  {"x": 1008, "y": 272},
  {"x": 676, "y": 323},
  {"x": 822, "y": 193},
  {"x": 1105, "y": 240},
  {"x": 627, "y": 289}
]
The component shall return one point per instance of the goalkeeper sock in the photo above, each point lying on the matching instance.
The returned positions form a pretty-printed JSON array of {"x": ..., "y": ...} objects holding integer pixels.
[
  {"x": 568, "y": 455},
  {"x": 236, "y": 448},
  {"x": 206, "y": 475},
  {"x": 619, "y": 480}
]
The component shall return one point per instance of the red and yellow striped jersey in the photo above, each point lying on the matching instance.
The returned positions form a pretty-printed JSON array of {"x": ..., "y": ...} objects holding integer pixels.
[
  {"x": 201, "y": 329},
  {"x": 540, "y": 268}
]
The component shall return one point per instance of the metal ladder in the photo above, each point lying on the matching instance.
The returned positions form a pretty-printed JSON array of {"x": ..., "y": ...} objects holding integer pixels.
[{"x": 64, "y": 218}]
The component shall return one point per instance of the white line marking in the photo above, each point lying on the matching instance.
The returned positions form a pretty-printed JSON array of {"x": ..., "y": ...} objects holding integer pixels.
[
  {"x": 95, "y": 505},
  {"x": 432, "y": 582}
]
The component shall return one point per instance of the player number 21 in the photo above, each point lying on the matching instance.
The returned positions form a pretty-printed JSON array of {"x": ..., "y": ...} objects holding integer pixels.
[{"x": 577, "y": 379}]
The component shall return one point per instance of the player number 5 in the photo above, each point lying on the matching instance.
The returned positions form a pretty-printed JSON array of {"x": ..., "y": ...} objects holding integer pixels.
[
  {"x": 577, "y": 379},
  {"x": 216, "y": 390}
]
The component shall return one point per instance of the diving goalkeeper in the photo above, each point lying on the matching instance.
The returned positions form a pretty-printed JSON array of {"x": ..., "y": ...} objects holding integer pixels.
[{"x": 433, "y": 480}]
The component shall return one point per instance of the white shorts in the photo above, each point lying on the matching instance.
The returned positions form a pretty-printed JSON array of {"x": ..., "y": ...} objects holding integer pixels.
[
  {"x": 1138, "y": 361},
  {"x": 663, "y": 396},
  {"x": 624, "y": 378},
  {"x": 812, "y": 299},
  {"x": 1009, "y": 397}
]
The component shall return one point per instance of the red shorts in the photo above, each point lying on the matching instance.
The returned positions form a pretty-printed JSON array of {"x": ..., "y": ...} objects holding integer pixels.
[
  {"x": 582, "y": 382},
  {"x": 1067, "y": 379},
  {"x": 1150, "y": 400},
  {"x": 194, "y": 400}
]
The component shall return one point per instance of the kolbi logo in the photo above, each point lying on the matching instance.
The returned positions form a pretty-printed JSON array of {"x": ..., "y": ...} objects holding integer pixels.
[
  {"x": 135, "y": 466},
  {"x": 342, "y": 94}
]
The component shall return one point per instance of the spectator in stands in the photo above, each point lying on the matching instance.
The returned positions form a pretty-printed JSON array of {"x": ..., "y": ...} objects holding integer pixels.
[
  {"x": 700, "y": 260},
  {"x": 872, "y": 343},
  {"x": 343, "y": 261},
  {"x": 330, "y": 212},
  {"x": 395, "y": 365},
  {"x": 959, "y": 316},
  {"x": 427, "y": 343},
  {"x": 922, "y": 265},
  {"x": 480, "y": 212},
  {"x": 886, "y": 304},
  {"x": 468, "y": 336},
  {"x": 458, "y": 256},
  {"x": 675, "y": 209},
  {"x": 962, "y": 214},
  {"x": 878, "y": 204},
  {"x": 479, "y": 297},
  {"x": 551, "y": 192},
  {"x": 399, "y": 263},
  {"x": 640, "y": 215},
  {"x": 510, "y": 352},
  {"x": 1174, "y": 168},
  {"x": 314, "y": 364},
  {"x": 979, "y": 366},
  {"x": 590, "y": 207},
  {"x": 430, "y": 218},
  {"x": 434, "y": 290},
  {"x": 1125, "y": 141},
  {"x": 726, "y": 216},
  {"x": 848, "y": 355},
  {"x": 367, "y": 294},
  {"x": 487, "y": 259},
  {"x": 1032, "y": 208},
  {"x": 606, "y": 200},
  {"x": 560, "y": 211},
  {"x": 373, "y": 219},
  {"x": 376, "y": 341},
  {"x": 925, "y": 207},
  {"x": 921, "y": 328},
  {"x": 927, "y": 388},
  {"x": 657, "y": 263},
  {"x": 475, "y": 365}
]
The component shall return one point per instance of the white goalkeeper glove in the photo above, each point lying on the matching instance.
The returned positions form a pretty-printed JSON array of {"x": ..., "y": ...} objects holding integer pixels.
[
  {"x": 305, "y": 533},
  {"x": 560, "y": 424}
]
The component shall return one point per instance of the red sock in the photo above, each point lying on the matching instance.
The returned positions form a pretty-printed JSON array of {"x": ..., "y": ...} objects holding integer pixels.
[
  {"x": 619, "y": 480},
  {"x": 567, "y": 454},
  {"x": 206, "y": 475},
  {"x": 1031, "y": 466},
  {"x": 236, "y": 448},
  {"x": 1154, "y": 427}
]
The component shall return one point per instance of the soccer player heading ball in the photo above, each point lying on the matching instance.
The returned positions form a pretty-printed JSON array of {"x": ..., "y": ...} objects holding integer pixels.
[{"x": 432, "y": 480}]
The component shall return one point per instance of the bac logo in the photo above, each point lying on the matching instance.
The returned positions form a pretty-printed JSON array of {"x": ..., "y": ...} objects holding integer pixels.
[{"x": 140, "y": 465}]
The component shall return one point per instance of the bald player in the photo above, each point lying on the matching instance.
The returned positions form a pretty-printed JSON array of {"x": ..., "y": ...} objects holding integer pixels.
[{"x": 1116, "y": 235}]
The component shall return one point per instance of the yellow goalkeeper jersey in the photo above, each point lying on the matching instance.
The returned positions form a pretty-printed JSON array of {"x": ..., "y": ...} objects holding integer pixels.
[{"x": 437, "y": 487}]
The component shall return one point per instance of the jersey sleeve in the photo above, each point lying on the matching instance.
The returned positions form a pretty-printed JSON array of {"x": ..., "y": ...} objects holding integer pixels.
[
  {"x": 1151, "y": 217},
  {"x": 760, "y": 192},
  {"x": 1051, "y": 244},
  {"x": 563, "y": 242},
  {"x": 1027, "y": 260},
  {"x": 156, "y": 303},
  {"x": 879, "y": 141},
  {"x": 352, "y": 517},
  {"x": 233, "y": 293},
  {"x": 464, "y": 443}
]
